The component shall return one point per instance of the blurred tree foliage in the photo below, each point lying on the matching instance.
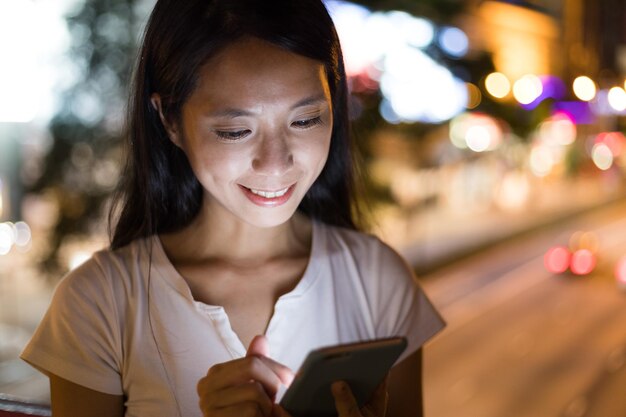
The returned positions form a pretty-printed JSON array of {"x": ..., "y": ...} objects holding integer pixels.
[{"x": 82, "y": 166}]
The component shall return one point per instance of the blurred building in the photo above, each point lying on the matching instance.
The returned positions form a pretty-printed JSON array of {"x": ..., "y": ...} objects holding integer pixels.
[
  {"x": 566, "y": 38},
  {"x": 521, "y": 39},
  {"x": 594, "y": 36}
]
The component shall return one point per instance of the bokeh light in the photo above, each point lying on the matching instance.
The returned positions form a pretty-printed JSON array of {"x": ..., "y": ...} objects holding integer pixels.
[
  {"x": 474, "y": 96},
  {"x": 527, "y": 89},
  {"x": 419, "y": 89},
  {"x": 514, "y": 191},
  {"x": 32, "y": 37},
  {"x": 453, "y": 41},
  {"x": 558, "y": 129},
  {"x": 602, "y": 156},
  {"x": 6, "y": 238},
  {"x": 583, "y": 262},
  {"x": 18, "y": 235},
  {"x": 584, "y": 88},
  {"x": 615, "y": 141},
  {"x": 78, "y": 258},
  {"x": 387, "y": 48},
  {"x": 478, "y": 138},
  {"x": 617, "y": 99},
  {"x": 584, "y": 240},
  {"x": 23, "y": 235},
  {"x": 477, "y": 131},
  {"x": 541, "y": 160},
  {"x": 350, "y": 20},
  {"x": 415, "y": 31},
  {"x": 557, "y": 259},
  {"x": 498, "y": 85}
]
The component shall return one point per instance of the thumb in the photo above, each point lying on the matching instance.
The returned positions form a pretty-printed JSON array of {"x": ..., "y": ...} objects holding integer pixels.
[{"x": 259, "y": 346}]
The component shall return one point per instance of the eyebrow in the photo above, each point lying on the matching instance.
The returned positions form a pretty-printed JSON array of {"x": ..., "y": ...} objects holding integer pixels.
[
  {"x": 233, "y": 112},
  {"x": 317, "y": 99}
]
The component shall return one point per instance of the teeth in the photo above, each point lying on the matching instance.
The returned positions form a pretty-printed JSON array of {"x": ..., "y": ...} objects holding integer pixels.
[{"x": 269, "y": 194}]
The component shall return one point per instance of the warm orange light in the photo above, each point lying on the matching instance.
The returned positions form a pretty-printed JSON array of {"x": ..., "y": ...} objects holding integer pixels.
[
  {"x": 498, "y": 85},
  {"x": 521, "y": 40},
  {"x": 527, "y": 89},
  {"x": 474, "y": 97},
  {"x": 584, "y": 88}
]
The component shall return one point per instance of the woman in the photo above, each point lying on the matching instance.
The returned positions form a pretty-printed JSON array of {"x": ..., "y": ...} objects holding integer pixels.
[{"x": 235, "y": 252}]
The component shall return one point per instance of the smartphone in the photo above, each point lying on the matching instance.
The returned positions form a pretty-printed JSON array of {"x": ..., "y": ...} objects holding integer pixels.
[{"x": 363, "y": 365}]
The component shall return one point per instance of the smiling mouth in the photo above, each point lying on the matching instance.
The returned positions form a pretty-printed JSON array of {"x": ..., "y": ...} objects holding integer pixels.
[
  {"x": 269, "y": 194},
  {"x": 267, "y": 198}
]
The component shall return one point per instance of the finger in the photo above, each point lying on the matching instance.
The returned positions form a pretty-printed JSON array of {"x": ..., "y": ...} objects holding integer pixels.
[
  {"x": 284, "y": 373},
  {"x": 250, "y": 392},
  {"x": 240, "y": 371},
  {"x": 259, "y": 346},
  {"x": 249, "y": 409},
  {"x": 345, "y": 403},
  {"x": 232, "y": 397}
]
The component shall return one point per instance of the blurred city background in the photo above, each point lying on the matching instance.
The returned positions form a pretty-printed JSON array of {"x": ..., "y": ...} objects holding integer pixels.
[{"x": 492, "y": 133}]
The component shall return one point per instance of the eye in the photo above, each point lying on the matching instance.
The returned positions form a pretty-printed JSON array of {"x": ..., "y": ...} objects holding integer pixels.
[
  {"x": 234, "y": 135},
  {"x": 307, "y": 123}
]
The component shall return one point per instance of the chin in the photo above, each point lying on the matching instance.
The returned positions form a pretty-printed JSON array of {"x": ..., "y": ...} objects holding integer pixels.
[{"x": 266, "y": 221}]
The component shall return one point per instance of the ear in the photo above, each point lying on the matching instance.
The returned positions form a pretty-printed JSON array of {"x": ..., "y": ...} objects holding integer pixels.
[{"x": 171, "y": 129}]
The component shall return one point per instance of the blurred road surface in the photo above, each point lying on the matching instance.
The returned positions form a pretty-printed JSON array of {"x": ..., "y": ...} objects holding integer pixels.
[{"x": 522, "y": 342}]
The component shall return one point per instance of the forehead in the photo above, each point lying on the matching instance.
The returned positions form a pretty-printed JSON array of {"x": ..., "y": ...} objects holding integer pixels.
[{"x": 252, "y": 72}]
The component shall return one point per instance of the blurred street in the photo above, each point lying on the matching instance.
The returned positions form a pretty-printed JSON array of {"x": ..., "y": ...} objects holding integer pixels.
[{"x": 523, "y": 342}]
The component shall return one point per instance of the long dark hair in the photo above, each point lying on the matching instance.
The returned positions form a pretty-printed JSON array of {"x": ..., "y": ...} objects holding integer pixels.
[{"x": 159, "y": 192}]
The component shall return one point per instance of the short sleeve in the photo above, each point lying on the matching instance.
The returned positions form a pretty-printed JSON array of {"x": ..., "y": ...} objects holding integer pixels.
[
  {"x": 401, "y": 306},
  {"x": 79, "y": 337}
]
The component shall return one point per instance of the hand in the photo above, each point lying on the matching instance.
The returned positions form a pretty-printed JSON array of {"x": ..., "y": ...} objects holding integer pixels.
[
  {"x": 243, "y": 387},
  {"x": 347, "y": 406}
]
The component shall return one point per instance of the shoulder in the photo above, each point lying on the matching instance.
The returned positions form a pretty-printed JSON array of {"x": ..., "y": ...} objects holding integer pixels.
[
  {"x": 368, "y": 250},
  {"x": 104, "y": 272}
]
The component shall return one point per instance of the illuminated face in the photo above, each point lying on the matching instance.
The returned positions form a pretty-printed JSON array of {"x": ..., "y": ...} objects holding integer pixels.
[{"x": 257, "y": 131}]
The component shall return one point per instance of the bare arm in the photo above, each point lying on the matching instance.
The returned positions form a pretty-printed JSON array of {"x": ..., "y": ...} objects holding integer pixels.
[
  {"x": 73, "y": 400},
  {"x": 405, "y": 387}
]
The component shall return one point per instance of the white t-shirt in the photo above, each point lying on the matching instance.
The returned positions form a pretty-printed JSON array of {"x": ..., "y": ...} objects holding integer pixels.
[{"x": 98, "y": 333}]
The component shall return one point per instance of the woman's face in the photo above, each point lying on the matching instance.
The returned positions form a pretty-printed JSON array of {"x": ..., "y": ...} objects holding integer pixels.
[{"x": 257, "y": 131}]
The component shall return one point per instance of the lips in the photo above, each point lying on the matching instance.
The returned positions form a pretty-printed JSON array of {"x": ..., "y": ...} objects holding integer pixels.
[
  {"x": 268, "y": 198},
  {"x": 270, "y": 194}
]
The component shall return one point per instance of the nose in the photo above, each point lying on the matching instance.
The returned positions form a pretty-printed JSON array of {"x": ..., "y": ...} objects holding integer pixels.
[{"x": 273, "y": 155}]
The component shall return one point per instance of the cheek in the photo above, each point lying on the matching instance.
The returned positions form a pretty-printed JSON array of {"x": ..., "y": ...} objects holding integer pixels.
[
  {"x": 316, "y": 152},
  {"x": 216, "y": 164}
]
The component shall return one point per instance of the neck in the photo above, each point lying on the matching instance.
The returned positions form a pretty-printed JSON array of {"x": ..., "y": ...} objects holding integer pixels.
[{"x": 235, "y": 242}]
